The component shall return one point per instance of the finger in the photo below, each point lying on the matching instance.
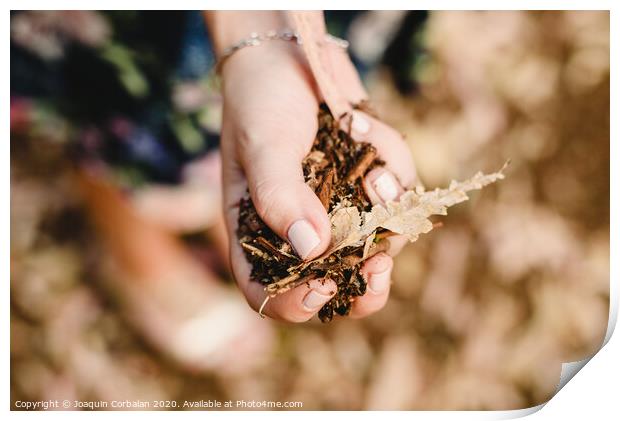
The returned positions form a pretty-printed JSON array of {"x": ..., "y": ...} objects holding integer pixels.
[
  {"x": 348, "y": 80},
  {"x": 344, "y": 73},
  {"x": 381, "y": 186},
  {"x": 377, "y": 272},
  {"x": 388, "y": 142},
  {"x": 297, "y": 305},
  {"x": 396, "y": 244},
  {"x": 364, "y": 128},
  {"x": 282, "y": 198}
]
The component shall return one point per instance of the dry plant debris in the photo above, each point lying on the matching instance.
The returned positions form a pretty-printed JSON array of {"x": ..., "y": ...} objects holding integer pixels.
[{"x": 334, "y": 169}]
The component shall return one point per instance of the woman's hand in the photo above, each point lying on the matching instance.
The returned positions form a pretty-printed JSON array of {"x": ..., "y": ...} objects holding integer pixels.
[{"x": 269, "y": 124}]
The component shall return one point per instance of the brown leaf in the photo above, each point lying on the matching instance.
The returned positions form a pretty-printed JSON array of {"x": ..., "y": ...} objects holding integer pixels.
[
  {"x": 346, "y": 228},
  {"x": 409, "y": 216}
]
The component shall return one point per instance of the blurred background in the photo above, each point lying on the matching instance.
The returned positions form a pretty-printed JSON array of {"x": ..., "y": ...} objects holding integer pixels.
[{"x": 119, "y": 281}]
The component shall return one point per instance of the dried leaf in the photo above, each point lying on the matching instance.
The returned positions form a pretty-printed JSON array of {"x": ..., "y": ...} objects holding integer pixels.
[
  {"x": 409, "y": 216},
  {"x": 346, "y": 228},
  {"x": 344, "y": 203}
]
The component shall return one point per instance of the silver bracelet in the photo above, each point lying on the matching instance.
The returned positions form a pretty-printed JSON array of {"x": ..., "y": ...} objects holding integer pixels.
[{"x": 256, "y": 39}]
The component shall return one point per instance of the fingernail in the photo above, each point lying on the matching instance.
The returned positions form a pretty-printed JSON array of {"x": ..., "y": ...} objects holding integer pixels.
[
  {"x": 360, "y": 124},
  {"x": 379, "y": 282},
  {"x": 386, "y": 187},
  {"x": 314, "y": 300},
  {"x": 303, "y": 237}
]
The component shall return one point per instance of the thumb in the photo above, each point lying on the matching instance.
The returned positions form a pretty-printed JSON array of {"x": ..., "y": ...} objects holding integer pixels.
[{"x": 283, "y": 200}]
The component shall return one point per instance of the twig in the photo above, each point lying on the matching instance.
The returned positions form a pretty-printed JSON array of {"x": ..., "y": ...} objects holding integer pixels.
[
  {"x": 288, "y": 283},
  {"x": 353, "y": 259},
  {"x": 262, "y": 307},
  {"x": 294, "y": 280},
  {"x": 256, "y": 251},
  {"x": 265, "y": 243},
  {"x": 274, "y": 287}
]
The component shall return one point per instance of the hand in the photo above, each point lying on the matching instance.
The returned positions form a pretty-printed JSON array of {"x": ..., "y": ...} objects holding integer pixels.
[{"x": 269, "y": 124}]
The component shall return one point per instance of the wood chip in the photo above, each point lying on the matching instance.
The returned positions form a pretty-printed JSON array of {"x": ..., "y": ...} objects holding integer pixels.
[
  {"x": 325, "y": 190},
  {"x": 362, "y": 164}
]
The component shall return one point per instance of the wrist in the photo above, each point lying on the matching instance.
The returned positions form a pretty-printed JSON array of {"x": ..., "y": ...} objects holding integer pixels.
[
  {"x": 228, "y": 27},
  {"x": 268, "y": 60}
]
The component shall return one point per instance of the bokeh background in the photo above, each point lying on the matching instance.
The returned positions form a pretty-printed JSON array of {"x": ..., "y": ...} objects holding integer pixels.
[{"x": 119, "y": 286}]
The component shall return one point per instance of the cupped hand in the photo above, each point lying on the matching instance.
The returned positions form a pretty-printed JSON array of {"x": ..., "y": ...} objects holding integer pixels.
[{"x": 269, "y": 124}]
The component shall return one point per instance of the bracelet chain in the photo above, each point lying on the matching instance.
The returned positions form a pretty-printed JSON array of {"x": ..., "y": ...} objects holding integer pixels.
[{"x": 256, "y": 39}]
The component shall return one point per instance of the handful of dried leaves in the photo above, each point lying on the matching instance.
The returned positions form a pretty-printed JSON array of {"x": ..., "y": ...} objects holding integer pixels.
[{"x": 334, "y": 169}]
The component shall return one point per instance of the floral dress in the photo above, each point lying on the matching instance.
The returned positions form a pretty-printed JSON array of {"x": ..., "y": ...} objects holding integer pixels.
[{"x": 134, "y": 92}]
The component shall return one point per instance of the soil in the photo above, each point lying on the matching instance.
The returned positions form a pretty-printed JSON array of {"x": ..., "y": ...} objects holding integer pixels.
[{"x": 334, "y": 169}]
